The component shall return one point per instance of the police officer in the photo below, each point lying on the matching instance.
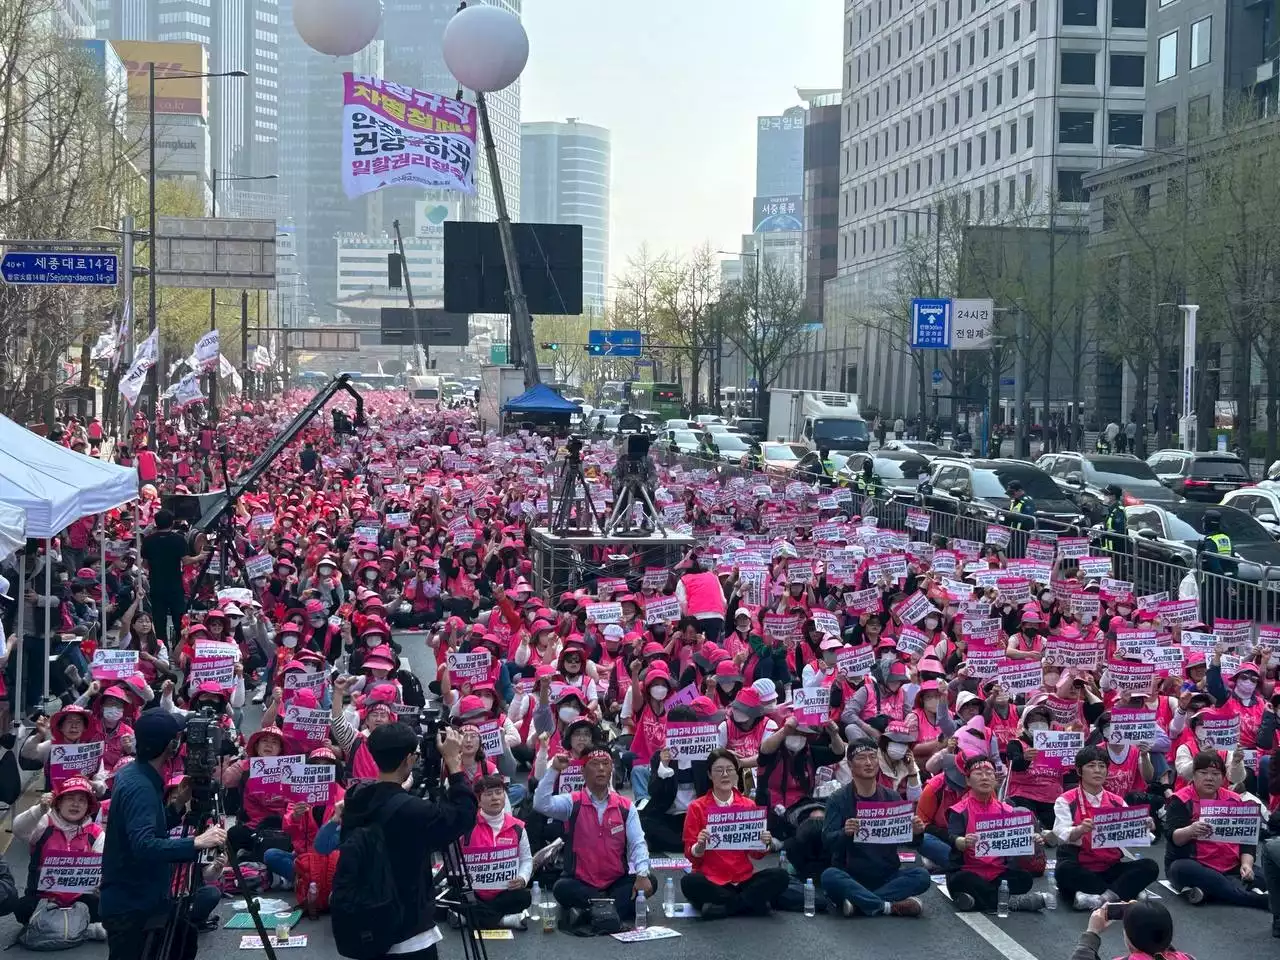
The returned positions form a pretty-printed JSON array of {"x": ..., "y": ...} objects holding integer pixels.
[
  {"x": 867, "y": 483},
  {"x": 1215, "y": 544},
  {"x": 821, "y": 470},
  {"x": 1022, "y": 509},
  {"x": 1115, "y": 522},
  {"x": 1102, "y": 444}
]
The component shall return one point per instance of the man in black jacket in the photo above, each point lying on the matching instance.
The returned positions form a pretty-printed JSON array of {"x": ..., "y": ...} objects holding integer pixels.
[
  {"x": 868, "y": 878},
  {"x": 415, "y": 829}
]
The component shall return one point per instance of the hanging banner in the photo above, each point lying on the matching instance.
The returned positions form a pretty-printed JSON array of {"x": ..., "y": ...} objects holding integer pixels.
[
  {"x": 136, "y": 376},
  {"x": 105, "y": 348},
  {"x": 394, "y": 134},
  {"x": 260, "y": 359}
]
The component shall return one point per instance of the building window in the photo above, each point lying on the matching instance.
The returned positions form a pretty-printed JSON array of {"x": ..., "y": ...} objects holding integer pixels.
[
  {"x": 1011, "y": 193},
  {"x": 995, "y": 135},
  {"x": 982, "y": 150},
  {"x": 1028, "y": 132},
  {"x": 973, "y": 47},
  {"x": 1000, "y": 34},
  {"x": 1013, "y": 81},
  {"x": 984, "y": 96},
  {"x": 1077, "y": 67},
  {"x": 1124, "y": 129},
  {"x": 1013, "y": 137},
  {"x": 968, "y": 156},
  {"x": 1071, "y": 186},
  {"x": 1031, "y": 18},
  {"x": 1075, "y": 126},
  {"x": 969, "y": 97},
  {"x": 1128, "y": 70},
  {"x": 986, "y": 42},
  {"x": 1129, "y": 13},
  {"x": 982, "y": 204},
  {"x": 1201, "y": 42},
  {"x": 1198, "y": 118},
  {"x": 1079, "y": 13},
  {"x": 1167, "y": 62},
  {"x": 1017, "y": 24},
  {"x": 1031, "y": 73},
  {"x": 999, "y": 89},
  {"x": 1167, "y": 127}
]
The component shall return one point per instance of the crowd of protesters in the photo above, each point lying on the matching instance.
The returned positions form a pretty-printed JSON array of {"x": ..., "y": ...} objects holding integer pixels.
[{"x": 807, "y": 704}]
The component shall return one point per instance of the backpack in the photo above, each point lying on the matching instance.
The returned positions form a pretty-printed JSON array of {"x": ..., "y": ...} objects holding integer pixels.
[
  {"x": 364, "y": 902},
  {"x": 411, "y": 691},
  {"x": 317, "y": 868},
  {"x": 52, "y": 927}
]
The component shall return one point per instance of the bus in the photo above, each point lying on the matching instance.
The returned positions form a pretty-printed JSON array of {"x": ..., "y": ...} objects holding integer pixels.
[
  {"x": 611, "y": 393},
  {"x": 664, "y": 399}
]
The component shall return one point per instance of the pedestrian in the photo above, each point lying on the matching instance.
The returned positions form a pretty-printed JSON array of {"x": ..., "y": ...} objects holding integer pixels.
[
  {"x": 1131, "y": 436},
  {"x": 166, "y": 553}
]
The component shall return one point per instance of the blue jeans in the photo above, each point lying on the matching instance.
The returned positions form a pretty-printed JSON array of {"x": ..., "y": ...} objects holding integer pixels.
[
  {"x": 279, "y": 862},
  {"x": 640, "y": 781},
  {"x": 206, "y": 900},
  {"x": 906, "y": 882},
  {"x": 935, "y": 850}
]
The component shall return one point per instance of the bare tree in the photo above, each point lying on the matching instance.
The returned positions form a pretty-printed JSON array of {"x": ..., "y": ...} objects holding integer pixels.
[
  {"x": 686, "y": 301},
  {"x": 766, "y": 321}
]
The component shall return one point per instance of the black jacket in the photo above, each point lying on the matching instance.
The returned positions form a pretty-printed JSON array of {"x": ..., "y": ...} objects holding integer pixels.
[{"x": 413, "y": 832}]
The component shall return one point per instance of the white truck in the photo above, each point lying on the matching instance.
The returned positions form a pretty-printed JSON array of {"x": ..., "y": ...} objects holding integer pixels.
[
  {"x": 498, "y": 384},
  {"x": 819, "y": 419}
]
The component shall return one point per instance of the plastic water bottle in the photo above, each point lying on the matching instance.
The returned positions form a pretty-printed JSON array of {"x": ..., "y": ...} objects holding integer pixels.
[
  {"x": 313, "y": 901},
  {"x": 1051, "y": 892},
  {"x": 810, "y": 899},
  {"x": 669, "y": 897},
  {"x": 782, "y": 861},
  {"x": 642, "y": 912},
  {"x": 535, "y": 905},
  {"x": 1002, "y": 899}
]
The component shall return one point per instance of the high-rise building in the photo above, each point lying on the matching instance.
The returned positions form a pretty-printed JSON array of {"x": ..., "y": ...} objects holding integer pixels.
[
  {"x": 75, "y": 18},
  {"x": 244, "y": 127},
  {"x": 565, "y": 179},
  {"x": 821, "y": 192},
  {"x": 1000, "y": 110}
]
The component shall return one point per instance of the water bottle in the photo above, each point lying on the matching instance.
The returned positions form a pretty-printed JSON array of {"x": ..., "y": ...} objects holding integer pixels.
[
  {"x": 535, "y": 905},
  {"x": 782, "y": 861},
  {"x": 313, "y": 901},
  {"x": 810, "y": 899},
  {"x": 1002, "y": 899},
  {"x": 642, "y": 912},
  {"x": 669, "y": 897},
  {"x": 1051, "y": 892},
  {"x": 549, "y": 911}
]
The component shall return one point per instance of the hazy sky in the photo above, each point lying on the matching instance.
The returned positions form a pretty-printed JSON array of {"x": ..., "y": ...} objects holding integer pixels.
[{"x": 679, "y": 84}]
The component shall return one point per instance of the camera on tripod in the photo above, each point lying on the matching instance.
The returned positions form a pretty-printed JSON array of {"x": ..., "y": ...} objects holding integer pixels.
[
  {"x": 204, "y": 739},
  {"x": 426, "y": 772}
]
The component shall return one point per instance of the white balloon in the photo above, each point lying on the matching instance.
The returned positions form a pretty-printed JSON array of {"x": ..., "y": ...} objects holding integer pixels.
[
  {"x": 337, "y": 27},
  {"x": 485, "y": 47}
]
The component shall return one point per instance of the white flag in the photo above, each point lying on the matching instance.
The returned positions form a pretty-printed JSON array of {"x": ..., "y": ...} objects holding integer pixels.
[
  {"x": 227, "y": 369},
  {"x": 187, "y": 391},
  {"x": 261, "y": 358},
  {"x": 105, "y": 348},
  {"x": 205, "y": 356},
  {"x": 132, "y": 382},
  {"x": 126, "y": 328}
]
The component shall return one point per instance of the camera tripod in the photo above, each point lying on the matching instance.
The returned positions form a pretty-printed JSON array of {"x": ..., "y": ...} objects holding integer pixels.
[
  {"x": 633, "y": 490},
  {"x": 571, "y": 480}
]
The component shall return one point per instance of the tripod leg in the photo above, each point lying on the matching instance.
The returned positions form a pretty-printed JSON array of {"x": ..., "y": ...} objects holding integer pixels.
[{"x": 658, "y": 523}]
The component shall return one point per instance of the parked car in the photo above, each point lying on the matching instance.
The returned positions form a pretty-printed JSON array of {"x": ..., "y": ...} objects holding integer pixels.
[
  {"x": 682, "y": 441},
  {"x": 1261, "y": 501},
  {"x": 750, "y": 426},
  {"x": 899, "y": 470},
  {"x": 679, "y": 424},
  {"x": 977, "y": 489},
  {"x": 1083, "y": 476},
  {"x": 703, "y": 419},
  {"x": 916, "y": 446},
  {"x": 730, "y": 447},
  {"x": 1203, "y": 476},
  {"x": 775, "y": 459}
]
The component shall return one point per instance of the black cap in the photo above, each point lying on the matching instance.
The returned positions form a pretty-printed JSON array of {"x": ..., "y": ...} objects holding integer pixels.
[
  {"x": 1113, "y": 490},
  {"x": 154, "y": 730},
  {"x": 1013, "y": 485}
]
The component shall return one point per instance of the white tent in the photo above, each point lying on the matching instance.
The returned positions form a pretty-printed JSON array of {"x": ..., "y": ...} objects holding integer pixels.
[
  {"x": 13, "y": 525},
  {"x": 54, "y": 485}
]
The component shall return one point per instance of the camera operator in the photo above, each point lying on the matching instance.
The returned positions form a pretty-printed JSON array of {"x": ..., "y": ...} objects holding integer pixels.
[
  {"x": 137, "y": 876},
  {"x": 1148, "y": 932},
  {"x": 415, "y": 827}
]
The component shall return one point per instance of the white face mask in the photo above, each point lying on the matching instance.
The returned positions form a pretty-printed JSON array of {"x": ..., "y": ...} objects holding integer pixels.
[
  {"x": 896, "y": 751},
  {"x": 112, "y": 714},
  {"x": 290, "y": 641},
  {"x": 488, "y": 702},
  {"x": 1124, "y": 611},
  {"x": 931, "y": 623},
  {"x": 829, "y": 658},
  {"x": 1245, "y": 688},
  {"x": 568, "y": 714},
  {"x": 658, "y": 692},
  {"x": 1037, "y": 727},
  {"x": 739, "y": 717},
  {"x": 794, "y": 744}
]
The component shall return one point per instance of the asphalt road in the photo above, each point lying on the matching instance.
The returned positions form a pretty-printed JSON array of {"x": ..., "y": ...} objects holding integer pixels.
[{"x": 1203, "y": 932}]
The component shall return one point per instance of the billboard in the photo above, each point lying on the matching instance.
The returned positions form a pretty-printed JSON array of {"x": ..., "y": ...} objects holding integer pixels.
[
  {"x": 776, "y": 214},
  {"x": 429, "y": 217},
  {"x": 187, "y": 95},
  {"x": 780, "y": 154},
  {"x": 182, "y": 145}
]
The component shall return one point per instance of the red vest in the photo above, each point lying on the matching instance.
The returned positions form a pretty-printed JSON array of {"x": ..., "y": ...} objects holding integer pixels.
[
  {"x": 483, "y": 839},
  {"x": 703, "y": 594},
  {"x": 1125, "y": 777},
  {"x": 879, "y": 703},
  {"x": 986, "y": 867},
  {"x": 1081, "y": 810},
  {"x": 54, "y": 843},
  {"x": 598, "y": 843},
  {"x": 1250, "y": 719},
  {"x": 1222, "y": 857},
  {"x": 1036, "y": 782}
]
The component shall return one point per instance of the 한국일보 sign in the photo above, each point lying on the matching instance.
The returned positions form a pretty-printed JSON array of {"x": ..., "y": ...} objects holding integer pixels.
[
  {"x": 737, "y": 829},
  {"x": 397, "y": 135}
]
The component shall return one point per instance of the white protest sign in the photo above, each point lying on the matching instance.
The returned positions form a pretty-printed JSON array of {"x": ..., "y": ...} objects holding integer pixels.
[
  {"x": 604, "y": 613},
  {"x": 736, "y": 829},
  {"x": 1133, "y": 727},
  {"x": 661, "y": 610},
  {"x": 855, "y": 661},
  {"x": 75, "y": 873},
  {"x": 306, "y": 724},
  {"x": 74, "y": 760},
  {"x": 490, "y": 738},
  {"x": 114, "y": 664},
  {"x": 308, "y": 680},
  {"x": 692, "y": 740},
  {"x": 469, "y": 667},
  {"x": 1021, "y": 676},
  {"x": 1221, "y": 733},
  {"x": 259, "y": 566},
  {"x": 1232, "y": 821},
  {"x": 1010, "y": 835},
  {"x": 884, "y": 822},
  {"x": 307, "y": 782},
  {"x": 492, "y": 868},
  {"x": 1125, "y": 827}
]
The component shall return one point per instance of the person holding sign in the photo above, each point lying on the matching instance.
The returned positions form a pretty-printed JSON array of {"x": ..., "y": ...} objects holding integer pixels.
[
  {"x": 976, "y": 870},
  {"x": 723, "y": 882},
  {"x": 863, "y": 830},
  {"x": 70, "y": 726},
  {"x": 605, "y": 852},
  {"x": 262, "y": 805},
  {"x": 1243, "y": 700},
  {"x": 499, "y": 859},
  {"x": 1199, "y": 867},
  {"x": 61, "y": 826},
  {"x": 311, "y": 827},
  {"x": 679, "y": 772},
  {"x": 1089, "y": 876}
]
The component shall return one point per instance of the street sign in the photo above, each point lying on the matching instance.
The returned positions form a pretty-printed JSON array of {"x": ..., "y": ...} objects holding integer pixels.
[
  {"x": 971, "y": 324},
  {"x": 930, "y": 324},
  {"x": 937, "y": 376},
  {"x": 614, "y": 343},
  {"x": 644, "y": 362},
  {"x": 69, "y": 268},
  {"x": 498, "y": 354},
  {"x": 1007, "y": 381}
]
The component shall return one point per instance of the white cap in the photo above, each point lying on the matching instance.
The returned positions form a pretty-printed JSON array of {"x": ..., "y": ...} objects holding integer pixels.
[
  {"x": 764, "y": 686},
  {"x": 4, "y": 588},
  {"x": 614, "y": 630}
]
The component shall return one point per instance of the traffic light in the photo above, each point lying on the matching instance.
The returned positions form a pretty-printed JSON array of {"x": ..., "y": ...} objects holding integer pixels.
[
  {"x": 550, "y": 346},
  {"x": 595, "y": 349}
]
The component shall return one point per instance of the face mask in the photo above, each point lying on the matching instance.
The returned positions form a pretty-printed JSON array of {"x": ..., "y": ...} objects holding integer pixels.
[
  {"x": 896, "y": 751},
  {"x": 488, "y": 702},
  {"x": 1245, "y": 688},
  {"x": 568, "y": 714},
  {"x": 931, "y": 623},
  {"x": 112, "y": 714},
  {"x": 887, "y": 660},
  {"x": 739, "y": 717},
  {"x": 290, "y": 641},
  {"x": 370, "y": 576},
  {"x": 794, "y": 744},
  {"x": 829, "y": 658},
  {"x": 658, "y": 692},
  {"x": 1124, "y": 611},
  {"x": 726, "y": 685},
  {"x": 1037, "y": 727}
]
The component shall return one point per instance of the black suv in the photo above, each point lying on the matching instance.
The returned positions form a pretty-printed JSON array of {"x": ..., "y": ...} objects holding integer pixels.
[
  {"x": 1202, "y": 476},
  {"x": 1083, "y": 476},
  {"x": 977, "y": 488}
]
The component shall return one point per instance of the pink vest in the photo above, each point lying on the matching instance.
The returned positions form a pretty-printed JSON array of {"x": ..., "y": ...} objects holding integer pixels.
[
  {"x": 1250, "y": 719},
  {"x": 1081, "y": 810},
  {"x": 362, "y": 765},
  {"x": 703, "y": 594},
  {"x": 599, "y": 843},
  {"x": 891, "y": 705},
  {"x": 986, "y": 867},
  {"x": 482, "y": 839},
  {"x": 1035, "y": 783},
  {"x": 1121, "y": 776},
  {"x": 650, "y": 736},
  {"x": 745, "y": 743},
  {"x": 55, "y": 844},
  {"x": 1222, "y": 857}
]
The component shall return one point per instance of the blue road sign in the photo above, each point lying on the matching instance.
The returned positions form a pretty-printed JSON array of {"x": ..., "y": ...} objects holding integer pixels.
[
  {"x": 644, "y": 362},
  {"x": 70, "y": 268},
  {"x": 930, "y": 324},
  {"x": 936, "y": 377},
  {"x": 1007, "y": 381},
  {"x": 614, "y": 343}
]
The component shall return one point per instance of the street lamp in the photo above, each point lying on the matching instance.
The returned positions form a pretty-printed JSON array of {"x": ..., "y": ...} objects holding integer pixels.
[{"x": 154, "y": 376}]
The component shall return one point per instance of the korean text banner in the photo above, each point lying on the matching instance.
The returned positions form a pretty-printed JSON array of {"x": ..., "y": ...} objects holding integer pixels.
[{"x": 393, "y": 134}]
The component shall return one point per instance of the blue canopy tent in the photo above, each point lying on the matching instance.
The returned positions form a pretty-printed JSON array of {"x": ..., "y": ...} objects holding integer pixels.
[{"x": 541, "y": 400}]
